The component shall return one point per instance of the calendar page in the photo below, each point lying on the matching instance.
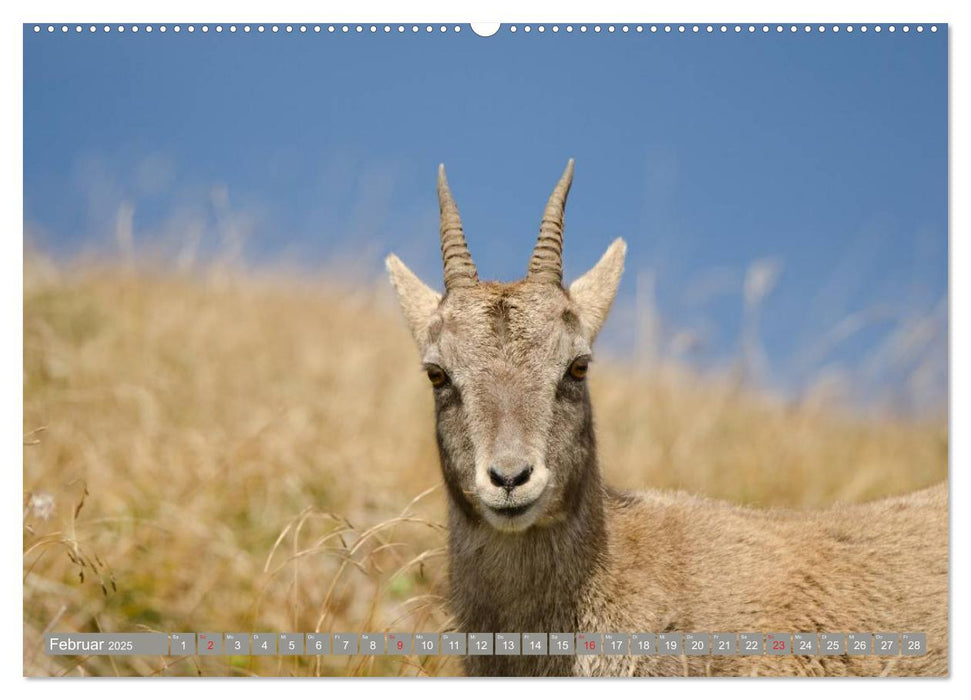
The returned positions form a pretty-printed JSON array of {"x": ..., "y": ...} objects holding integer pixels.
[{"x": 436, "y": 349}]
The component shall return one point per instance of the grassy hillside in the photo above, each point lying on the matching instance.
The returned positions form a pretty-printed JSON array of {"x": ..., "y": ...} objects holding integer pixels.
[{"x": 232, "y": 452}]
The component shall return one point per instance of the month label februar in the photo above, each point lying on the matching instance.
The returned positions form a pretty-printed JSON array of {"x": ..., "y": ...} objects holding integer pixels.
[{"x": 108, "y": 644}]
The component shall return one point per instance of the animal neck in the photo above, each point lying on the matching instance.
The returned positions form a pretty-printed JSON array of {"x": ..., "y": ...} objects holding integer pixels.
[{"x": 532, "y": 580}]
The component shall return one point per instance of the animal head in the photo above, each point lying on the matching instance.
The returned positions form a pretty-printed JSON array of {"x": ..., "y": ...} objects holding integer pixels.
[{"x": 508, "y": 364}]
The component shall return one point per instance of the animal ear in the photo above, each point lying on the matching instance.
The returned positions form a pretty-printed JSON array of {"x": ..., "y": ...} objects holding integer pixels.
[
  {"x": 418, "y": 300},
  {"x": 594, "y": 292}
]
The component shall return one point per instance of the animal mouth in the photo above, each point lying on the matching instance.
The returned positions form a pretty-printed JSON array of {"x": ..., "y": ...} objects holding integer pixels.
[{"x": 512, "y": 511}]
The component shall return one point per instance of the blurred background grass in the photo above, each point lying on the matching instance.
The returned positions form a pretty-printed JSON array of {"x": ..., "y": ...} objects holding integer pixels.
[{"x": 222, "y": 450}]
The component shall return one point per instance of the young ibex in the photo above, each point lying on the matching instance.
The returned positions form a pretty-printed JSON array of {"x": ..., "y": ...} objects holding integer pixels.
[{"x": 537, "y": 543}]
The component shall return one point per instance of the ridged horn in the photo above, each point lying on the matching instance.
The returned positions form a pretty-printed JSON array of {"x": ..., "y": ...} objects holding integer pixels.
[
  {"x": 459, "y": 269},
  {"x": 546, "y": 265}
]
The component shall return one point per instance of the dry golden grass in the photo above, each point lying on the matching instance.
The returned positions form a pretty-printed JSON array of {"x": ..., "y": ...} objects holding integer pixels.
[{"x": 239, "y": 453}]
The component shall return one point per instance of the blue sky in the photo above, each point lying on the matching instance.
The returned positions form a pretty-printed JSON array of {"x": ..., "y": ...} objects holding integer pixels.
[{"x": 820, "y": 159}]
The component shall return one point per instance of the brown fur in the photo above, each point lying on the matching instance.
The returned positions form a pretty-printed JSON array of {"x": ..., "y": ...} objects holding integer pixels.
[
  {"x": 679, "y": 562},
  {"x": 578, "y": 557}
]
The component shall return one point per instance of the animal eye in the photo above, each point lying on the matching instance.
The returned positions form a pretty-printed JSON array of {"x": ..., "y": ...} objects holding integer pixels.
[
  {"x": 436, "y": 375},
  {"x": 578, "y": 368}
]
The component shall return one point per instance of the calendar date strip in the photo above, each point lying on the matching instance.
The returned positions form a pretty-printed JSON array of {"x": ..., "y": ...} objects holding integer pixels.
[{"x": 487, "y": 644}]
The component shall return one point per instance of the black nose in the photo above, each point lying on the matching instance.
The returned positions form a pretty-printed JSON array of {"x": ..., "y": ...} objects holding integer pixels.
[{"x": 510, "y": 479}]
